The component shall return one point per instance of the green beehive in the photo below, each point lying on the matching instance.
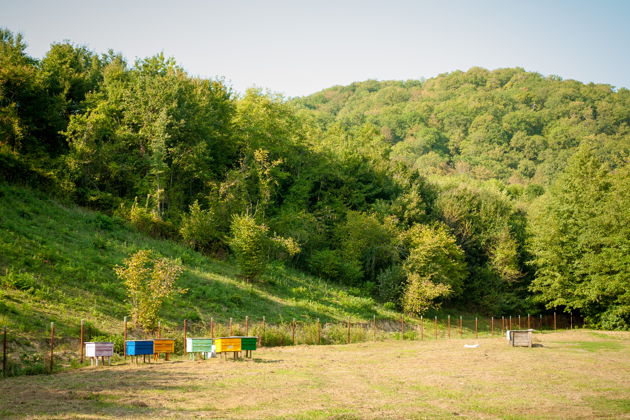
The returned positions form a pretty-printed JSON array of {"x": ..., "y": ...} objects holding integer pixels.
[
  {"x": 194, "y": 345},
  {"x": 248, "y": 343}
]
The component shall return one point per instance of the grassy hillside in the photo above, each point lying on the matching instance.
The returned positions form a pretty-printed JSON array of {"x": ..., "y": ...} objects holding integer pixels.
[{"x": 56, "y": 264}]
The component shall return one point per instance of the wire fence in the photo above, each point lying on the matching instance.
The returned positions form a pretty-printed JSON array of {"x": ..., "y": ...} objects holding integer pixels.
[{"x": 51, "y": 351}]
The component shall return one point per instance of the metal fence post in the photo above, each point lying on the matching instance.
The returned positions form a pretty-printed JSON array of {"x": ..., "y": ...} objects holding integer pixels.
[
  {"x": 81, "y": 342},
  {"x": 125, "y": 339},
  {"x": 4, "y": 353},
  {"x": 52, "y": 346}
]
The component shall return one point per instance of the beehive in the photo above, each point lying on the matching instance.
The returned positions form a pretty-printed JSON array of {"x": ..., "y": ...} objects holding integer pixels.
[
  {"x": 99, "y": 349},
  {"x": 203, "y": 345},
  {"x": 163, "y": 345},
  {"x": 248, "y": 343},
  {"x": 224, "y": 344},
  {"x": 139, "y": 347},
  {"x": 520, "y": 338}
]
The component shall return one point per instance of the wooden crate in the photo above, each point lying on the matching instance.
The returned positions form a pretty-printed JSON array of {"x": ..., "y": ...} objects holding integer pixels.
[
  {"x": 520, "y": 338},
  {"x": 163, "y": 345},
  {"x": 139, "y": 347},
  {"x": 199, "y": 345},
  {"x": 99, "y": 349},
  {"x": 224, "y": 344}
]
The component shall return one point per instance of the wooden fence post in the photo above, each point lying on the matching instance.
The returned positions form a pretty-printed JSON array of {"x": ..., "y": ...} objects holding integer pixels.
[
  {"x": 319, "y": 332},
  {"x": 529, "y": 323},
  {"x": 125, "y": 339},
  {"x": 246, "y": 325},
  {"x": 461, "y": 329},
  {"x": 231, "y": 327},
  {"x": 510, "y": 322},
  {"x": 160, "y": 330},
  {"x": 212, "y": 327},
  {"x": 555, "y": 325},
  {"x": 502, "y": 324},
  {"x": 4, "y": 353},
  {"x": 185, "y": 332},
  {"x": 519, "y": 322},
  {"x": 263, "y": 332},
  {"x": 402, "y": 326},
  {"x": 540, "y": 322},
  {"x": 449, "y": 326},
  {"x": 421, "y": 327},
  {"x": 476, "y": 330},
  {"x": 491, "y": 325},
  {"x": 435, "y": 325},
  {"x": 81, "y": 341},
  {"x": 571, "y": 314},
  {"x": 52, "y": 346},
  {"x": 348, "y": 331},
  {"x": 374, "y": 327}
]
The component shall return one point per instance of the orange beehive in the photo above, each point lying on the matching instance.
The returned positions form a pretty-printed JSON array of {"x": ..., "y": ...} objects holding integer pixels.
[{"x": 163, "y": 345}]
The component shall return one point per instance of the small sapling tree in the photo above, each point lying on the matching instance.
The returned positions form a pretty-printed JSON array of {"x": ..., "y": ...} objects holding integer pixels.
[{"x": 149, "y": 281}]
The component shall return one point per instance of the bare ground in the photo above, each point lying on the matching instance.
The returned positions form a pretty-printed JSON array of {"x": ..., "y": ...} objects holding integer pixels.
[{"x": 573, "y": 374}]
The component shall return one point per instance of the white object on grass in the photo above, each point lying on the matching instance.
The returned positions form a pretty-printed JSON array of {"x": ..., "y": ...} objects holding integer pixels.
[{"x": 471, "y": 346}]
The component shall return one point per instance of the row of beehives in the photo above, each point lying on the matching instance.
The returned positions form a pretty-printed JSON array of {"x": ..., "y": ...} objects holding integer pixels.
[{"x": 206, "y": 347}]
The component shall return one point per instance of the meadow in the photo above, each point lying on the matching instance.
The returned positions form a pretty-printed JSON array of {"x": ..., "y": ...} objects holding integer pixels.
[{"x": 575, "y": 374}]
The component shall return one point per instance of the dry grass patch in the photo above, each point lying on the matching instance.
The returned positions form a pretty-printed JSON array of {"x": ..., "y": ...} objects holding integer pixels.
[{"x": 579, "y": 374}]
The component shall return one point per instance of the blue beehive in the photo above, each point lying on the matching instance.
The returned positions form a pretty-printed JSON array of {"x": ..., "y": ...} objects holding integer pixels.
[{"x": 139, "y": 347}]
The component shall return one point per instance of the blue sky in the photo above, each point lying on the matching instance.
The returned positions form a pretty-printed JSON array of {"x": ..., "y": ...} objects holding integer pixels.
[{"x": 299, "y": 47}]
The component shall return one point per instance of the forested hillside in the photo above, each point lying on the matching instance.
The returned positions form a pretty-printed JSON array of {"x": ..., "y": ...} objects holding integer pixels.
[
  {"x": 484, "y": 190},
  {"x": 507, "y": 124}
]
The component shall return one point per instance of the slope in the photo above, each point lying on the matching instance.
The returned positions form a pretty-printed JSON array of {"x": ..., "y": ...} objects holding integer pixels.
[{"x": 56, "y": 264}]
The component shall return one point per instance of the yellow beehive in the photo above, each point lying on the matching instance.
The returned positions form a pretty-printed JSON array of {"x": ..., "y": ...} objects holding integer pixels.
[
  {"x": 224, "y": 344},
  {"x": 163, "y": 345}
]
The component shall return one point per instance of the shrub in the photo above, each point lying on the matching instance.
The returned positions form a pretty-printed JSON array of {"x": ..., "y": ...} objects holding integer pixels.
[
  {"x": 20, "y": 281},
  {"x": 330, "y": 264},
  {"x": 273, "y": 335},
  {"x": 390, "y": 283},
  {"x": 199, "y": 229},
  {"x": 337, "y": 333},
  {"x": 389, "y": 305},
  {"x": 368, "y": 242},
  {"x": 150, "y": 222},
  {"x": 249, "y": 242}
]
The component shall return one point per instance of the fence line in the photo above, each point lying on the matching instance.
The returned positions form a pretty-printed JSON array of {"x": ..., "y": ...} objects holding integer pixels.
[{"x": 64, "y": 350}]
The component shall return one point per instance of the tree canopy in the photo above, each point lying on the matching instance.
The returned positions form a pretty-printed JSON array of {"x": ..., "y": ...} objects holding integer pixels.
[{"x": 487, "y": 190}]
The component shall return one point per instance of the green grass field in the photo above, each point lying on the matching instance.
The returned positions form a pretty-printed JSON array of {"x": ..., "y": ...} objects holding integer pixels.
[
  {"x": 56, "y": 264},
  {"x": 577, "y": 374}
]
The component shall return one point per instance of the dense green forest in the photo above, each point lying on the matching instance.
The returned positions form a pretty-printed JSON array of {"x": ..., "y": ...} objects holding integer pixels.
[{"x": 491, "y": 191}]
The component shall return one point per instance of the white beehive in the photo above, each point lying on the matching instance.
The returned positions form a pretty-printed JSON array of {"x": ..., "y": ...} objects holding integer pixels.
[{"x": 98, "y": 349}]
